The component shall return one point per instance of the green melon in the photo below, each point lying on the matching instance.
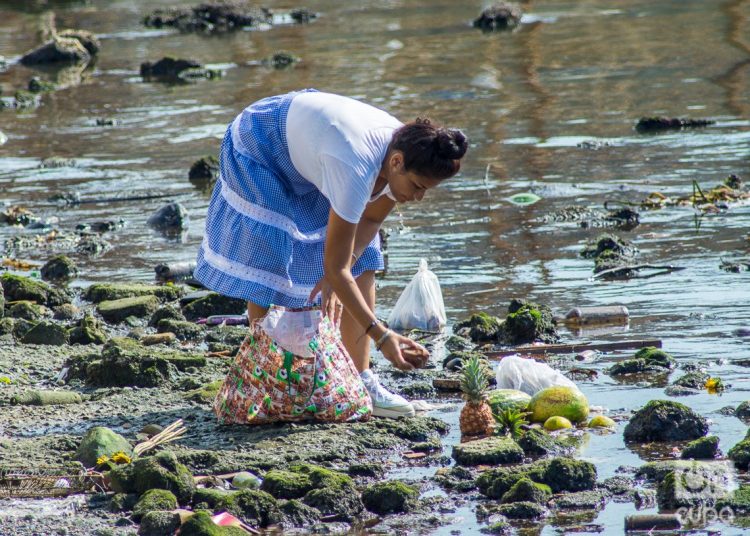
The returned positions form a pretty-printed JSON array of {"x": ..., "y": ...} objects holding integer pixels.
[
  {"x": 557, "y": 423},
  {"x": 502, "y": 399},
  {"x": 559, "y": 401},
  {"x": 600, "y": 421}
]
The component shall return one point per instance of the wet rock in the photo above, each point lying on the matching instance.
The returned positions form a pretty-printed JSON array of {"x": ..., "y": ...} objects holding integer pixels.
[
  {"x": 610, "y": 251},
  {"x": 200, "y": 524},
  {"x": 159, "y": 523},
  {"x": 106, "y": 122},
  {"x": 581, "y": 500},
  {"x": 161, "y": 471},
  {"x": 300, "y": 479},
  {"x": 499, "y": 526},
  {"x": 46, "y": 332},
  {"x": 21, "y": 327},
  {"x": 106, "y": 292},
  {"x": 165, "y": 313},
  {"x": 743, "y": 412},
  {"x": 455, "y": 360},
  {"x": 166, "y": 338},
  {"x": 659, "y": 124},
  {"x": 205, "y": 394},
  {"x": 122, "y": 502},
  {"x": 678, "y": 488},
  {"x": 21, "y": 100},
  {"x": 200, "y": 73},
  {"x": 26, "y": 310},
  {"x": 167, "y": 67},
  {"x": 560, "y": 474},
  {"x": 523, "y": 510},
  {"x": 500, "y": 16},
  {"x": 18, "y": 288},
  {"x": 705, "y": 448},
  {"x": 656, "y": 471},
  {"x": 58, "y": 50},
  {"x": 646, "y": 360},
  {"x": 693, "y": 380},
  {"x": 618, "y": 485},
  {"x": 390, "y": 497},
  {"x": 297, "y": 514},
  {"x": 480, "y": 327},
  {"x": 343, "y": 504},
  {"x": 37, "y": 85},
  {"x": 253, "y": 506},
  {"x": 535, "y": 442},
  {"x": 6, "y": 326},
  {"x": 210, "y": 17},
  {"x": 66, "y": 311},
  {"x": 737, "y": 501},
  {"x": 204, "y": 172},
  {"x": 527, "y": 490},
  {"x": 245, "y": 480},
  {"x": 116, "y": 311},
  {"x": 88, "y": 331},
  {"x": 740, "y": 454},
  {"x": 59, "y": 269},
  {"x": 214, "y": 304},
  {"x": 183, "y": 330},
  {"x": 665, "y": 420},
  {"x": 529, "y": 322},
  {"x": 455, "y": 478},
  {"x": 170, "y": 218},
  {"x": 154, "y": 500},
  {"x": 678, "y": 390},
  {"x": 46, "y": 398},
  {"x": 625, "y": 218},
  {"x": 89, "y": 40},
  {"x": 281, "y": 60},
  {"x": 488, "y": 451},
  {"x": 418, "y": 390},
  {"x": 101, "y": 441}
]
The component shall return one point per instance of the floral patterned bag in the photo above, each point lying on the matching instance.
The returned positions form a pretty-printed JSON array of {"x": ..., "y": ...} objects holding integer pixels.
[{"x": 268, "y": 383}]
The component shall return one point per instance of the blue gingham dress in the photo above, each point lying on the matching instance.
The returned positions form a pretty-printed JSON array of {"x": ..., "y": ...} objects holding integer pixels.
[{"x": 266, "y": 224}]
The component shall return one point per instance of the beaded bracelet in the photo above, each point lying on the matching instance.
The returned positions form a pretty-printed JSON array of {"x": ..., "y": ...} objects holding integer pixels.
[{"x": 379, "y": 343}]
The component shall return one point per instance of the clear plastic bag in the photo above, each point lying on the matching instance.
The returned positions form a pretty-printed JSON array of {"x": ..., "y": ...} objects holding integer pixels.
[
  {"x": 527, "y": 375},
  {"x": 420, "y": 305},
  {"x": 293, "y": 330}
]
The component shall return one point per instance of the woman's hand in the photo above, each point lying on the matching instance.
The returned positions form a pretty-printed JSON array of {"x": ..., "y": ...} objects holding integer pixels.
[
  {"x": 330, "y": 304},
  {"x": 404, "y": 353}
]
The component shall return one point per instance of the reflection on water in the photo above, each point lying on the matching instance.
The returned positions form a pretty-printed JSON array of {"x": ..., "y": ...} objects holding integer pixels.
[{"x": 573, "y": 73}]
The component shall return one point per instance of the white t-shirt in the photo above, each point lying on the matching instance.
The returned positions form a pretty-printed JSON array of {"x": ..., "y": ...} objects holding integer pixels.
[{"x": 338, "y": 144}]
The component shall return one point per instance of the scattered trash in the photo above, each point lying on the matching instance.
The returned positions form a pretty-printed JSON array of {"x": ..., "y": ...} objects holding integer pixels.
[
  {"x": 523, "y": 199},
  {"x": 227, "y": 320},
  {"x": 420, "y": 305},
  {"x": 609, "y": 314},
  {"x": 529, "y": 376},
  {"x": 652, "y": 522},
  {"x": 178, "y": 271}
]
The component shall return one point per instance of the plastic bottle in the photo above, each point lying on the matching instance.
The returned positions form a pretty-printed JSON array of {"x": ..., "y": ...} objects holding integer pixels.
[{"x": 608, "y": 314}]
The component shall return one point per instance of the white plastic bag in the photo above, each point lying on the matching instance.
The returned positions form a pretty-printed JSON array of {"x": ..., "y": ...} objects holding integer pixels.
[
  {"x": 420, "y": 305},
  {"x": 527, "y": 375},
  {"x": 293, "y": 330}
]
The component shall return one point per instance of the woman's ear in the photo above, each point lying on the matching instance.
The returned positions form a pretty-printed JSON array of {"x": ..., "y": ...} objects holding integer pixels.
[{"x": 397, "y": 161}]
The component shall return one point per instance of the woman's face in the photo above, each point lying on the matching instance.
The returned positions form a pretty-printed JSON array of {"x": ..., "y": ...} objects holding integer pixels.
[{"x": 405, "y": 185}]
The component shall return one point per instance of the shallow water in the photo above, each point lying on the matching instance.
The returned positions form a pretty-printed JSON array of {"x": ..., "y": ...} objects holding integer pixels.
[{"x": 574, "y": 72}]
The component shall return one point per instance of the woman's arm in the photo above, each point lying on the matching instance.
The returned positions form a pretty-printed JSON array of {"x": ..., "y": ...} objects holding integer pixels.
[{"x": 372, "y": 219}]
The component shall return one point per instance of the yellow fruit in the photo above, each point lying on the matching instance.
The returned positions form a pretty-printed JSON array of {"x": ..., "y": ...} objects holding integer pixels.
[
  {"x": 557, "y": 423},
  {"x": 559, "y": 401},
  {"x": 600, "y": 421}
]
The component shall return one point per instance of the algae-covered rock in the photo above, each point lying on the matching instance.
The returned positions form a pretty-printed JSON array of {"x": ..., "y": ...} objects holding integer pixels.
[
  {"x": 527, "y": 490},
  {"x": 122, "y": 502},
  {"x": 480, "y": 327},
  {"x": 167, "y": 67},
  {"x": 123, "y": 362},
  {"x": 558, "y": 401},
  {"x": 204, "y": 169},
  {"x": 116, "y": 311},
  {"x": 487, "y": 451},
  {"x": 580, "y": 500},
  {"x": 743, "y": 412},
  {"x": 297, "y": 514},
  {"x": 299, "y": 479},
  {"x": 46, "y": 398},
  {"x": 88, "y": 331},
  {"x": 66, "y": 311},
  {"x": 101, "y": 441},
  {"x": 200, "y": 524},
  {"x": 214, "y": 304},
  {"x": 602, "y": 421},
  {"x": 701, "y": 484},
  {"x": 608, "y": 242},
  {"x": 154, "y": 500},
  {"x": 522, "y": 510},
  {"x": 455, "y": 478},
  {"x": 344, "y": 504},
  {"x": 418, "y": 428},
  {"x": 665, "y": 420},
  {"x": 161, "y": 471},
  {"x": 536, "y": 442},
  {"x": 528, "y": 322},
  {"x": 498, "y": 527},
  {"x": 183, "y": 330},
  {"x": 738, "y": 501},
  {"x": 245, "y": 480},
  {"x": 20, "y": 327},
  {"x": 18, "y": 288},
  {"x": 59, "y": 269},
  {"x": 159, "y": 523},
  {"x": 152, "y": 339},
  {"x": 693, "y": 380},
  {"x": 390, "y": 497},
  {"x": 568, "y": 474},
  {"x": 704, "y": 448},
  {"x": 165, "y": 313},
  {"x": 57, "y": 50},
  {"x": 46, "y": 332},
  {"x": 7, "y": 326},
  {"x": 557, "y": 423},
  {"x": 26, "y": 310},
  {"x": 646, "y": 360},
  {"x": 740, "y": 454},
  {"x": 503, "y": 399},
  {"x": 205, "y": 394},
  {"x": 656, "y": 471},
  {"x": 170, "y": 218},
  {"x": 499, "y": 16},
  {"x": 115, "y": 291}
]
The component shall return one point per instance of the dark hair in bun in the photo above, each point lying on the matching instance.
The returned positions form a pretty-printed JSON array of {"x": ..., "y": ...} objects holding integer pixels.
[{"x": 430, "y": 150}]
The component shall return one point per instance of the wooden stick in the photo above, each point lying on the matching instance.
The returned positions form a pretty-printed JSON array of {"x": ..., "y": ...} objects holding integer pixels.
[
  {"x": 542, "y": 349},
  {"x": 666, "y": 269},
  {"x": 170, "y": 433}
]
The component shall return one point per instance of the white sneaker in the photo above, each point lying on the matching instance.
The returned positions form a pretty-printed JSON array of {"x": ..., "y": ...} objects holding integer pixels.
[{"x": 385, "y": 403}]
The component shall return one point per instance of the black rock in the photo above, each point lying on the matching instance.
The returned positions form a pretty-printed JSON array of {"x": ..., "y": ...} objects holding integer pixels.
[
  {"x": 170, "y": 217},
  {"x": 500, "y": 16},
  {"x": 167, "y": 67},
  {"x": 665, "y": 420},
  {"x": 657, "y": 124}
]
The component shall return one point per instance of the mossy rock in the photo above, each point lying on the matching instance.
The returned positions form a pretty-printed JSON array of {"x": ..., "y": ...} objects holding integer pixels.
[
  {"x": 116, "y": 311},
  {"x": 18, "y": 288},
  {"x": 123, "y": 362},
  {"x": 560, "y": 474},
  {"x": 214, "y": 304},
  {"x": 184, "y": 330},
  {"x": 580, "y": 500},
  {"x": 740, "y": 454},
  {"x": 165, "y": 313},
  {"x": 2, "y": 300},
  {"x": 153, "y": 500},
  {"x": 245, "y": 480},
  {"x": 656, "y": 471},
  {"x": 7, "y": 326},
  {"x": 704, "y": 448},
  {"x": 607, "y": 242},
  {"x": 528, "y": 322},
  {"x": 59, "y": 269},
  {"x": 101, "y": 441},
  {"x": 418, "y": 428},
  {"x": 159, "y": 523},
  {"x": 298, "y": 514},
  {"x": 390, "y": 497},
  {"x": 39, "y": 397},
  {"x": 455, "y": 478},
  {"x": 558, "y": 401},
  {"x": 676, "y": 490},
  {"x": 345, "y": 504},
  {"x": 122, "y": 502},
  {"x": 26, "y": 310},
  {"x": 487, "y": 451},
  {"x": 255, "y": 507},
  {"x": 66, "y": 311},
  {"x": 535, "y": 442},
  {"x": 646, "y": 360},
  {"x": 114, "y": 291},
  {"x": 88, "y": 331},
  {"x": 499, "y": 527},
  {"x": 743, "y": 412},
  {"x": 557, "y": 423},
  {"x": 161, "y": 471},
  {"x": 205, "y": 394},
  {"x": 602, "y": 421},
  {"x": 504, "y": 399},
  {"x": 48, "y": 333},
  {"x": 693, "y": 380},
  {"x": 298, "y": 480},
  {"x": 527, "y": 490},
  {"x": 480, "y": 327},
  {"x": 200, "y": 524},
  {"x": 522, "y": 510},
  {"x": 738, "y": 501},
  {"x": 21, "y": 327},
  {"x": 665, "y": 420}
]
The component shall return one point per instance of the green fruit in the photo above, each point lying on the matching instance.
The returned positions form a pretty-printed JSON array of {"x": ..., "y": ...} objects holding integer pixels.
[
  {"x": 557, "y": 423},
  {"x": 600, "y": 421},
  {"x": 558, "y": 401},
  {"x": 502, "y": 399}
]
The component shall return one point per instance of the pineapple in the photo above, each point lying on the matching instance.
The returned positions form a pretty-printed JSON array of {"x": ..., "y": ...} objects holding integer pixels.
[{"x": 476, "y": 415}]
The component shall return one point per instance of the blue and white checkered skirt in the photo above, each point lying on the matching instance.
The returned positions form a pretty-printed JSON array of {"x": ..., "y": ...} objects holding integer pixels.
[{"x": 266, "y": 224}]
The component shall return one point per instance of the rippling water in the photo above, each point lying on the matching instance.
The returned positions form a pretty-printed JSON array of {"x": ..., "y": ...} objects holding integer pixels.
[{"x": 573, "y": 72}]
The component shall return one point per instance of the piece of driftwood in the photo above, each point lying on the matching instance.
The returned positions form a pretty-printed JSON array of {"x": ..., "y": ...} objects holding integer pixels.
[
  {"x": 652, "y": 522},
  {"x": 542, "y": 349},
  {"x": 624, "y": 270}
]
